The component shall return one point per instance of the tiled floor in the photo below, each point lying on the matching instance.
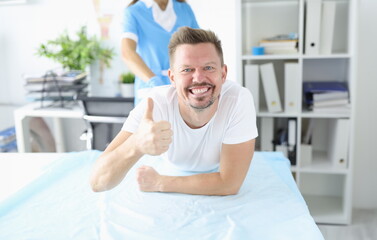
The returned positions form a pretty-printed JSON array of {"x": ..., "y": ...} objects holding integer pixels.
[{"x": 363, "y": 227}]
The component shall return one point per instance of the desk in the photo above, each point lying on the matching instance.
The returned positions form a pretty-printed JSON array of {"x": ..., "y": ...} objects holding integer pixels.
[{"x": 22, "y": 116}]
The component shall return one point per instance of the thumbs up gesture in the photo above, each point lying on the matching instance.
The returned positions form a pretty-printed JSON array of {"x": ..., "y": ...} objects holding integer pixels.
[{"x": 152, "y": 137}]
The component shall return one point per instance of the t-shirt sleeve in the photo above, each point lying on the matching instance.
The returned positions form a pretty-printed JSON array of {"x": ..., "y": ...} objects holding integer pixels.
[
  {"x": 134, "y": 118},
  {"x": 130, "y": 25},
  {"x": 242, "y": 126}
]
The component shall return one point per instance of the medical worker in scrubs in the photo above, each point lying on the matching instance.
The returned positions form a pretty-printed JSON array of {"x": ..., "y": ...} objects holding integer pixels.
[{"x": 147, "y": 28}]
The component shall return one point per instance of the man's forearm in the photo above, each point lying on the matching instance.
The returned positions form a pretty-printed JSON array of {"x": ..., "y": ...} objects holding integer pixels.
[
  {"x": 112, "y": 166},
  {"x": 201, "y": 184}
]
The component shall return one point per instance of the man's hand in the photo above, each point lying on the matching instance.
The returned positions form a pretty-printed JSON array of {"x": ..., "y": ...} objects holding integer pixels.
[
  {"x": 153, "y": 138},
  {"x": 149, "y": 180}
]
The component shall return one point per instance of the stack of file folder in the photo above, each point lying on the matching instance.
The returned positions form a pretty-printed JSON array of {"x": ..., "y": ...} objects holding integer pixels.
[
  {"x": 55, "y": 87},
  {"x": 328, "y": 97}
]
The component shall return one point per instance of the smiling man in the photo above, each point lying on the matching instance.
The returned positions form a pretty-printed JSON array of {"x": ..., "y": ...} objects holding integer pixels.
[{"x": 201, "y": 123}]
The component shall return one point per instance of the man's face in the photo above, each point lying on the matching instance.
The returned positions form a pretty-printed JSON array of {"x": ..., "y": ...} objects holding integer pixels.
[{"x": 197, "y": 75}]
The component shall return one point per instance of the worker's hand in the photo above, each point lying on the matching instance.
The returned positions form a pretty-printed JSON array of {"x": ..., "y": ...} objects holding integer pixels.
[
  {"x": 152, "y": 137},
  {"x": 149, "y": 180},
  {"x": 156, "y": 81}
]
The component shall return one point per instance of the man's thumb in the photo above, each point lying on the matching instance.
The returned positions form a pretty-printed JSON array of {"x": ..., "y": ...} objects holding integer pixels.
[{"x": 149, "y": 110}]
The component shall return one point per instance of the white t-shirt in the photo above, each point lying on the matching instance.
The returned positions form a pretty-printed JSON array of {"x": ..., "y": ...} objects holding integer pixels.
[{"x": 199, "y": 149}]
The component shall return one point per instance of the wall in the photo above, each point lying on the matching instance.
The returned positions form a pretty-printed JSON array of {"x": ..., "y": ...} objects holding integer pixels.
[
  {"x": 365, "y": 164},
  {"x": 220, "y": 17},
  {"x": 23, "y": 27}
]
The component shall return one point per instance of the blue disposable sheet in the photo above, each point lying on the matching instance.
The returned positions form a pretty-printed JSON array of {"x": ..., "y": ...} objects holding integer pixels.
[
  {"x": 60, "y": 205},
  {"x": 268, "y": 206}
]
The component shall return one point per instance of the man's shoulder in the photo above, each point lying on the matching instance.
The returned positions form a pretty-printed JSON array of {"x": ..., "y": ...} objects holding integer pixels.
[
  {"x": 163, "y": 94},
  {"x": 233, "y": 89}
]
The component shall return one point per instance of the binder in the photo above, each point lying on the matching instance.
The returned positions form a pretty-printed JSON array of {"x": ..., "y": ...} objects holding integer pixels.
[
  {"x": 306, "y": 155},
  {"x": 270, "y": 87},
  {"x": 267, "y": 134},
  {"x": 292, "y": 142},
  {"x": 283, "y": 149},
  {"x": 291, "y": 87},
  {"x": 252, "y": 82},
  {"x": 307, "y": 139},
  {"x": 327, "y": 26},
  {"x": 338, "y": 145},
  {"x": 313, "y": 26}
]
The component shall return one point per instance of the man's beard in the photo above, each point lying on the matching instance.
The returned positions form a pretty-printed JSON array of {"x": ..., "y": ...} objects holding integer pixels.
[
  {"x": 210, "y": 102},
  {"x": 201, "y": 108}
]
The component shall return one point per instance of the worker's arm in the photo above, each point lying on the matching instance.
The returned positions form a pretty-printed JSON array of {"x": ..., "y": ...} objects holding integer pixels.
[{"x": 133, "y": 60}]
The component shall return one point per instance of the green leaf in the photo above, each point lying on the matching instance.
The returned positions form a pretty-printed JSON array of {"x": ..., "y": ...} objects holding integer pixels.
[{"x": 76, "y": 54}]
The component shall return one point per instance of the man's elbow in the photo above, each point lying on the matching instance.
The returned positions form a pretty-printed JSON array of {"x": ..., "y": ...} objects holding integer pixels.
[
  {"x": 230, "y": 190},
  {"x": 233, "y": 191},
  {"x": 96, "y": 188},
  {"x": 98, "y": 185}
]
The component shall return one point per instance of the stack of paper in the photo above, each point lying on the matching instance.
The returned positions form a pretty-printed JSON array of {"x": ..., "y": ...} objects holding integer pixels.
[
  {"x": 55, "y": 86},
  {"x": 281, "y": 44},
  {"x": 327, "y": 97}
]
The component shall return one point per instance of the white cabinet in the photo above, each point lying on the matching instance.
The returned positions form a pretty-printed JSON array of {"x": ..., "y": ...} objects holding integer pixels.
[{"x": 324, "y": 180}]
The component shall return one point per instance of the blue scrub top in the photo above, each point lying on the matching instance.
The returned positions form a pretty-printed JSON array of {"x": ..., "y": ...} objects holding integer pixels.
[{"x": 153, "y": 39}]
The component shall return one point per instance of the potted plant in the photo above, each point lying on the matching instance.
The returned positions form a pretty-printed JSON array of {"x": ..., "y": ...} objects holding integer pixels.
[
  {"x": 76, "y": 53},
  {"x": 127, "y": 81}
]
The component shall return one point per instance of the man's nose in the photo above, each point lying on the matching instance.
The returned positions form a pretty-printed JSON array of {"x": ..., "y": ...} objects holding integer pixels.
[{"x": 199, "y": 75}]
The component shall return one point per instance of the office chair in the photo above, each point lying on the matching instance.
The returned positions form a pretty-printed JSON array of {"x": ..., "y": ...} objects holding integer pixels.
[{"x": 104, "y": 117}]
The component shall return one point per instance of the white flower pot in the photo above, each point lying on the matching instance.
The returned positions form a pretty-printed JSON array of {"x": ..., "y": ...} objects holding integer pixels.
[{"x": 127, "y": 90}]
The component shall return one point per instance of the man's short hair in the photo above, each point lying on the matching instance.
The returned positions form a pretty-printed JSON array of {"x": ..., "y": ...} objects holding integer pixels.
[{"x": 187, "y": 35}]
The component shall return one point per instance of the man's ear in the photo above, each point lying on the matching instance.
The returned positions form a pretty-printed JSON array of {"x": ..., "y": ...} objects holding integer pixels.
[
  {"x": 224, "y": 72},
  {"x": 171, "y": 77}
]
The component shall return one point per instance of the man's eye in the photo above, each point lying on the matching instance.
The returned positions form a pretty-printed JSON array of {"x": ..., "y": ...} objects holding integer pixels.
[
  {"x": 209, "y": 68},
  {"x": 187, "y": 70}
]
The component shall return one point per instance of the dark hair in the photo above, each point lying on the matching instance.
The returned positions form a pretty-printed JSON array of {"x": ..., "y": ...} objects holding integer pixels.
[
  {"x": 135, "y": 1},
  {"x": 187, "y": 35}
]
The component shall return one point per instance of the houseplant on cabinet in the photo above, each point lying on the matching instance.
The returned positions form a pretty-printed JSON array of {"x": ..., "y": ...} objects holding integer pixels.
[
  {"x": 127, "y": 81},
  {"x": 76, "y": 53}
]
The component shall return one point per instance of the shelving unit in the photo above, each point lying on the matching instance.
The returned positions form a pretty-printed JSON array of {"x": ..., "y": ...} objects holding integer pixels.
[{"x": 326, "y": 187}]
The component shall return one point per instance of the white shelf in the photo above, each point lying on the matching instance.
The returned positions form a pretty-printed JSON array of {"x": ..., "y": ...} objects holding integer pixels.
[
  {"x": 321, "y": 164},
  {"x": 309, "y": 114},
  {"x": 340, "y": 55},
  {"x": 270, "y": 57},
  {"x": 277, "y": 114},
  {"x": 326, "y": 209},
  {"x": 294, "y": 56},
  {"x": 305, "y": 114},
  {"x": 273, "y": 2},
  {"x": 319, "y": 180}
]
